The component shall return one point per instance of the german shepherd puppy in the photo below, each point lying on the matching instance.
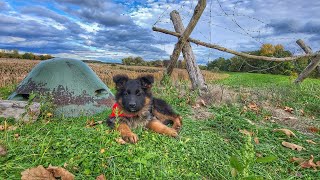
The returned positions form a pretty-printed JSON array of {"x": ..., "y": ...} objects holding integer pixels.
[{"x": 135, "y": 106}]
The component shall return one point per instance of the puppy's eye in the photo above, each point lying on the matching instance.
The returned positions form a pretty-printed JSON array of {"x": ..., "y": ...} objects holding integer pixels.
[
  {"x": 125, "y": 93},
  {"x": 138, "y": 93}
]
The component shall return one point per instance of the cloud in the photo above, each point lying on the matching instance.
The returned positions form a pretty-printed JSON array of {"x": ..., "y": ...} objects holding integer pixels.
[
  {"x": 4, "y": 6},
  {"x": 104, "y": 12}
]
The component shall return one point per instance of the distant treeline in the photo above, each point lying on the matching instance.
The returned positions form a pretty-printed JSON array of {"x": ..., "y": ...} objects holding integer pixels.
[
  {"x": 138, "y": 61},
  {"x": 241, "y": 64},
  {"x": 17, "y": 55}
]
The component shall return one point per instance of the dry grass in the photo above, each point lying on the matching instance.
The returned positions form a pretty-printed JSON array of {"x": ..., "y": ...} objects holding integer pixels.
[{"x": 12, "y": 71}]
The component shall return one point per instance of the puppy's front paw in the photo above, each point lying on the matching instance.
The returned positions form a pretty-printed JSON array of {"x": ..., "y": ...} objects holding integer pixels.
[
  {"x": 130, "y": 137},
  {"x": 172, "y": 132}
]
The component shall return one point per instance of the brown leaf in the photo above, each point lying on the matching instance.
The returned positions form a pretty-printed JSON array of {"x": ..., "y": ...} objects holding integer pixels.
[
  {"x": 292, "y": 146},
  {"x": 253, "y": 106},
  {"x": 12, "y": 128},
  {"x": 313, "y": 129},
  {"x": 310, "y": 142},
  {"x": 318, "y": 163},
  {"x": 102, "y": 151},
  {"x": 245, "y": 132},
  {"x": 302, "y": 112},
  {"x": 3, "y": 150},
  {"x": 285, "y": 131},
  {"x": 101, "y": 177},
  {"x": 49, "y": 115},
  {"x": 120, "y": 141},
  {"x": 202, "y": 102},
  {"x": 288, "y": 109},
  {"x": 37, "y": 173},
  {"x": 65, "y": 165},
  {"x": 258, "y": 154},
  {"x": 16, "y": 135},
  {"x": 297, "y": 160},
  {"x": 59, "y": 172},
  {"x": 256, "y": 140},
  {"x": 309, "y": 163},
  {"x": 2, "y": 128},
  {"x": 196, "y": 106}
]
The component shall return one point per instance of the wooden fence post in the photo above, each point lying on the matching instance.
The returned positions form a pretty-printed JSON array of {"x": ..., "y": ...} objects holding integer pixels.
[
  {"x": 185, "y": 35},
  {"x": 193, "y": 69},
  {"x": 313, "y": 64}
]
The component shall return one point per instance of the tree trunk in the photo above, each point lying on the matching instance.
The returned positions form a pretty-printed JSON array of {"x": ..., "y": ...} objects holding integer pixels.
[
  {"x": 185, "y": 35},
  {"x": 193, "y": 69}
]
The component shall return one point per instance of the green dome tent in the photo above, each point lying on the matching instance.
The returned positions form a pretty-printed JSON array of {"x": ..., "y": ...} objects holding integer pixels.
[{"x": 76, "y": 90}]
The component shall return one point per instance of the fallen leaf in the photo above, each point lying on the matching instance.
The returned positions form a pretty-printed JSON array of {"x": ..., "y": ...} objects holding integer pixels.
[
  {"x": 245, "y": 132},
  {"x": 65, "y": 165},
  {"x": 102, "y": 150},
  {"x": 201, "y": 101},
  {"x": 258, "y": 154},
  {"x": 196, "y": 106},
  {"x": 288, "y": 132},
  {"x": 2, "y": 128},
  {"x": 12, "y": 128},
  {"x": 292, "y": 146},
  {"x": 288, "y": 109},
  {"x": 226, "y": 140},
  {"x": 234, "y": 172},
  {"x": 309, "y": 163},
  {"x": 49, "y": 115},
  {"x": 302, "y": 112},
  {"x": 92, "y": 123},
  {"x": 267, "y": 118},
  {"x": 318, "y": 163},
  {"x": 37, "y": 173},
  {"x": 313, "y": 129},
  {"x": 16, "y": 135},
  {"x": 297, "y": 160},
  {"x": 101, "y": 177},
  {"x": 120, "y": 141},
  {"x": 59, "y": 172},
  {"x": 310, "y": 142},
  {"x": 3, "y": 150},
  {"x": 256, "y": 140},
  {"x": 253, "y": 106}
]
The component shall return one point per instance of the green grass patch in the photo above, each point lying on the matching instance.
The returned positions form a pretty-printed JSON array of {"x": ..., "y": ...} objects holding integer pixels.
[{"x": 6, "y": 91}]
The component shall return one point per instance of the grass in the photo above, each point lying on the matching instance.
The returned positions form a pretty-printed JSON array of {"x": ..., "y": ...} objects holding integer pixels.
[{"x": 202, "y": 151}]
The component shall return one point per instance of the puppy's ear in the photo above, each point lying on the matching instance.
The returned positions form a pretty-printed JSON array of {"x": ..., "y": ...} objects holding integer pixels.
[
  {"x": 146, "y": 81},
  {"x": 120, "y": 80}
]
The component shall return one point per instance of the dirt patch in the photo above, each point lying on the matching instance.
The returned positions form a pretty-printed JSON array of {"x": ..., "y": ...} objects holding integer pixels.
[
  {"x": 297, "y": 122},
  {"x": 219, "y": 94}
]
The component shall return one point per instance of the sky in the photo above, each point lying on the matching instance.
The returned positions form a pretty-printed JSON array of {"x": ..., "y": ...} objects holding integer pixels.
[{"x": 109, "y": 30}]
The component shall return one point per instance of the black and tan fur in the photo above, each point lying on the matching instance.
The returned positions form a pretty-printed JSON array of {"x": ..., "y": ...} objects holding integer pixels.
[{"x": 134, "y": 98}]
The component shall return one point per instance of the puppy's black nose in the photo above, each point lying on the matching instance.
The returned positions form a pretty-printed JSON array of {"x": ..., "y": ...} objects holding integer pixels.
[{"x": 132, "y": 105}]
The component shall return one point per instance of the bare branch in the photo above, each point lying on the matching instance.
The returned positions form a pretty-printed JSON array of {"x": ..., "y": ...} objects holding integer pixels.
[{"x": 220, "y": 48}]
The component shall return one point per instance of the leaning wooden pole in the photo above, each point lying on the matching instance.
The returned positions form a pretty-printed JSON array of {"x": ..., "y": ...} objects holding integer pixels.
[
  {"x": 220, "y": 48},
  {"x": 193, "y": 69},
  {"x": 313, "y": 64},
  {"x": 185, "y": 35}
]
